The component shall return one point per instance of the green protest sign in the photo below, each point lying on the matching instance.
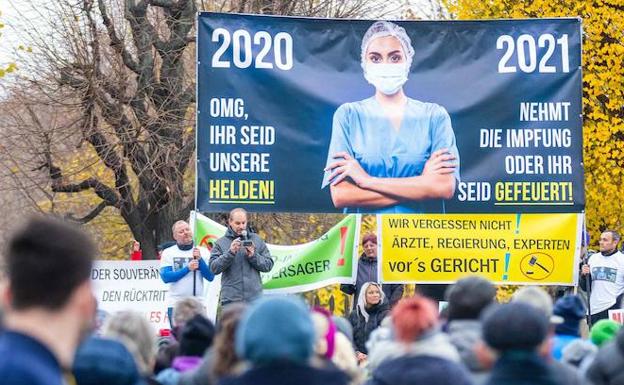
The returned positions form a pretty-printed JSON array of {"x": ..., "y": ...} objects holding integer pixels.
[{"x": 324, "y": 261}]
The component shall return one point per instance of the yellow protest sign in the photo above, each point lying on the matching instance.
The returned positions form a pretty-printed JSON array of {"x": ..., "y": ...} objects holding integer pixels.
[{"x": 504, "y": 248}]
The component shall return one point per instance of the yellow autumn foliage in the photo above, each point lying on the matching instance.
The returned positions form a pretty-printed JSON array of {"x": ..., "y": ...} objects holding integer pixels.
[{"x": 603, "y": 92}]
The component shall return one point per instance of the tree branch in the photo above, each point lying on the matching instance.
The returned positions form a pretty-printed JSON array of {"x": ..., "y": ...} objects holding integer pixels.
[{"x": 90, "y": 216}]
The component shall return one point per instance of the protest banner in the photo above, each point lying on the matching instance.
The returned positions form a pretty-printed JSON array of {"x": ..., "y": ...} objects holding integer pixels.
[
  {"x": 617, "y": 315},
  {"x": 279, "y": 97},
  {"x": 131, "y": 285},
  {"x": 541, "y": 249},
  {"x": 324, "y": 261}
]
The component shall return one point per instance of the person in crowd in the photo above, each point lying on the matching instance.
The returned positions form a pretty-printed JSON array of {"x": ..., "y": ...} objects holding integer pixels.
[
  {"x": 367, "y": 272},
  {"x": 603, "y": 331},
  {"x": 48, "y": 301},
  {"x": 332, "y": 348},
  {"x": 105, "y": 361},
  {"x": 196, "y": 337},
  {"x": 517, "y": 331},
  {"x": 136, "y": 254},
  {"x": 183, "y": 311},
  {"x": 240, "y": 255},
  {"x": 220, "y": 359},
  {"x": 421, "y": 354},
  {"x": 276, "y": 338},
  {"x": 371, "y": 309},
  {"x": 180, "y": 264},
  {"x": 390, "y": 153},
  {"x": 466, "y": 301},
  {"x": 607, "y": 367},
  {"x": 606, "y": 277},
  {"x": 579, "y": 353},
  {"x": 572, "y": 310},
  {"x": 344, "y": 326},
  {"x": 539, "y": 299},
  {"x": 134, "y": 331}
]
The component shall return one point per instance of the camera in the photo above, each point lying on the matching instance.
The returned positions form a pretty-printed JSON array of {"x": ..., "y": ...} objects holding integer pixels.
[{"x": 247, "y": 242}]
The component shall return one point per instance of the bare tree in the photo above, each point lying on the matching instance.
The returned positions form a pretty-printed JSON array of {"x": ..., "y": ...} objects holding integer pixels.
[{"x": 119, "y": 77}]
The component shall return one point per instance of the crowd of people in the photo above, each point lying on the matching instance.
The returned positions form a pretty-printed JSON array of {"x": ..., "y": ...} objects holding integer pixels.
[{"x": 48, "y": 334}]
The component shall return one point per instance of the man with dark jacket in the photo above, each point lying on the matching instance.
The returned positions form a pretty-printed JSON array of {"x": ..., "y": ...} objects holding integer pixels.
[
  {"x": 367, "y": 272},
  {"x": 240, "y": 255}
]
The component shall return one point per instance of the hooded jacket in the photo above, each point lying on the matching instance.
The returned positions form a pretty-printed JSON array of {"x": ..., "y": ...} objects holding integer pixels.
[
  {"x": 240, "y": 280},
  {"x": 362, "y": 328},
  {"x": 607, "y": 366}
]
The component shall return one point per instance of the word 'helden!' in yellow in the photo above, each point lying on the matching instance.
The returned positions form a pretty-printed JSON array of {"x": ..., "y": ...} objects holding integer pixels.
[
  {"x": 241, "y": 191},
  {"x": 505, "y": 248}
]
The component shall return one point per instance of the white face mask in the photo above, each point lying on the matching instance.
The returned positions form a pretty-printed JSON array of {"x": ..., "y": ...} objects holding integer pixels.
[{"x": 387, "y": 78}]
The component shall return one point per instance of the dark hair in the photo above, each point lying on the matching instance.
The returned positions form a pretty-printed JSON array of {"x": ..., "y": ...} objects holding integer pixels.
[
  {"x": 46, "y": 261},
  {"x": 468, "y": 297},
  {"x": 225, "y": 355}
]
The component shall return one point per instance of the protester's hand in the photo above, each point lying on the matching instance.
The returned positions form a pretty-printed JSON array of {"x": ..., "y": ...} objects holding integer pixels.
[
  {"x": 250, "y": 250},
  {"x": 196, "y": 253},
  {"x": 585, "y": 269},
  {"x": 235, "y": 246},
  {"x": 136, "y": 246},
  {"x": 345, "y": 167},
  {"x": 361, "y": 357},
  {"x": 193, "y": 265},
  {"x": 440, "y": 162}
]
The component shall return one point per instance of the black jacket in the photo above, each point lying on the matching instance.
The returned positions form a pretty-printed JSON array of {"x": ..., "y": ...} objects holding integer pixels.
[
  {"x": 285, "y": 373},
  {"x": 409, "y": 370},
  {"x": 608, "y": 366},
  {"x": 363, "y": 329}
]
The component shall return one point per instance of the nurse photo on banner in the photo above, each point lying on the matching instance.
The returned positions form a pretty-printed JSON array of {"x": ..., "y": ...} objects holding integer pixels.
[{"x": 390, "y": 153}]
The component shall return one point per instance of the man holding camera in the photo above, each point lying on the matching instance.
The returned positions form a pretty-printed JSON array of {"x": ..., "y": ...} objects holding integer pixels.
[
  {"x": 183, "y": 266},
  {"x": 240, "y": 255}
]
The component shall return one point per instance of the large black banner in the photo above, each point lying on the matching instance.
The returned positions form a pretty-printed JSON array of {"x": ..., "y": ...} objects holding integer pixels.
[{"x": 318, "y": 115}]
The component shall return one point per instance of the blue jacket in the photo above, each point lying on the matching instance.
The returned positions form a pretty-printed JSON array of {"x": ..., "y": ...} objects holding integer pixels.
[{"x": 26, "y": 361}]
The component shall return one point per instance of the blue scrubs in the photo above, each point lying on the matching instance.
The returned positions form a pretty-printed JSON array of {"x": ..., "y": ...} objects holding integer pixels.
[{"x": 362, "y": 130}]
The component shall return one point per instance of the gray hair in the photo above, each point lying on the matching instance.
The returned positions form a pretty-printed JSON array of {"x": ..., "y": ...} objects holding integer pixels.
[
  {"x": 614, "y": 234},
  {"x": 177, "y": 223},
  {"x": 185, "y": 309},
  {"x": 237, "y": 210},
  {"x": 136, "y": 334}
]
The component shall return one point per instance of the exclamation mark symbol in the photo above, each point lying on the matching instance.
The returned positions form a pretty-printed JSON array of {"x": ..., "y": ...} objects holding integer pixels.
[
  {"x": 518, "y": 223},
  {"x": 506, "y": 270},
  {"x": 343, "y": 241},
  {"x": 272, "y": 190}
]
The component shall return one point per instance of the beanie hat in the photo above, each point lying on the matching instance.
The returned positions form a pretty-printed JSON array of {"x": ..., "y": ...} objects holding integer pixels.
[
  {"x": 468, "y": 297},
  {"x": 197, "y": 336},
  {"x": 572, "y": 310},
  {"x": 343, "y": 326},
  {"x": 325, "y": 329},
  {"x": 370, "y": 237},
  {"x": 104, "y": 361},
  {"x": 603, "y": 331},
  {"x": 275, "y": 329},
  {"x": 413, "y": 317},
  {"x": 514, "y": 326}
]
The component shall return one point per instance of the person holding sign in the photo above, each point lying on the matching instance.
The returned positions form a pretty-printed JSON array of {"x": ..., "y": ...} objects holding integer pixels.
[
  {"x": 240, "y": 255},
  {"x": 180, "y": 264},
  {"x": 390, "y": 153},
  {"x": 606, "y": 272}
]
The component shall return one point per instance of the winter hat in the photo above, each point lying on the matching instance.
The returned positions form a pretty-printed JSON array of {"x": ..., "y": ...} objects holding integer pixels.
[
  {"x": 413, "y": 317},
  {"x": 572, "y": 310},
  {"x": 603, "y": 331},
  {"x": 514, "y": 326},
  {"x": 196, "y": 337},
  {"x": 103, "y": 361},
  {"x": 343, "y": 326},
  {"x": 539, "y": 299},
  {"x": 370, "y": 237},
  {"x": 468, "y": 297},
  {"x": 275, "y": 329},
  {"x": 325, "y": 331}
]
